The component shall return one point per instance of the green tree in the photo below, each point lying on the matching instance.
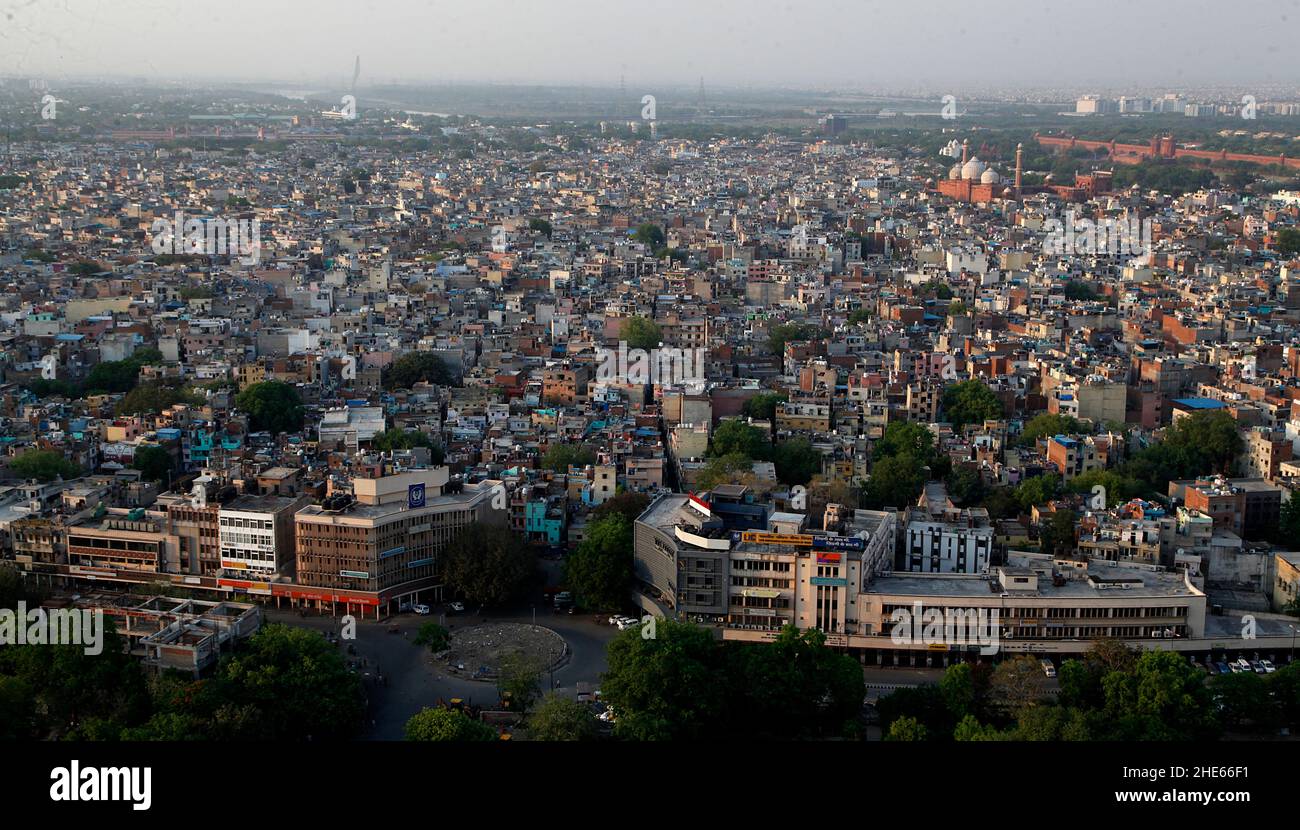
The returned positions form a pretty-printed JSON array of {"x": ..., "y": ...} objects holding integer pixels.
[
  {"x": 1284, "y": 687},
  {"x": 1210, "y": 436},
  {"x": 969, "y": 729},
  {"x": 895, "y": 481},
  {"x": 539, "y": 224},
  {"x": 519, "y": 679},
  {"x": 1050, "y": 723},
  {"x": 1162, "y": 698},
  {"x": 762, "y": 407},
  {"x": 783, "y": 333},
  {"x": 958, "y": 689},
  {"x": 152, "y": 398},
  {"x": 905, "y": 438},
  {"x": 1058, "y": 534},
  {"x": 966, "y": 486},
  {"x": 668, "y": 687},
  {"x": 650, "y": 235},
  {"x": 640, "y": 333},
  {"x": 69, "y": 688},
  {"x": 907, "y": 729},
  {"x": 970, "y": 402},
  {"x": 793, "y": 686},
  {"x": 487, "y": 564},
  {"x": 557, "y": 718},
  {"x": 599, "y": 572},
  {"x": 271, "y": 406},
  {"x": 1037, "y": 490},
  {"x": 736, "y": 436},
  {"x": 629, "y": 505},
  {"x": 153, "y": 462},
  {"x": 1244, "y": 700},
  {"x": 796, "y": 460},
  {"x": 43, "y": 465},
  {"x": 1289, "y": 521},
  {"x": 1017, "y": 683},
  {"x": 859, "y": 316},
  {"x": 394, "y": 439},
  {"x": 560, "y": 457},
  {"x": 297, "y": 681},
  {"x": 435, "y": 636},
  {"x": 446, "y": 725},
  {"x": 1288, "y": 241},
  {"x": 733, "y": 468},
  {"x": 416, "y": 367},
  {"x": 1047, "y": 425}
]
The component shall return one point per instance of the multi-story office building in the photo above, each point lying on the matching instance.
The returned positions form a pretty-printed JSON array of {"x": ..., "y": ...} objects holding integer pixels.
[
  {"x": 257, "y": 535},
  {"x": 385, "y": 537},
  {"x": 939, "y": 537},
  {"x": 733, "y": 561},
  {"x": 113, "y": 540}
]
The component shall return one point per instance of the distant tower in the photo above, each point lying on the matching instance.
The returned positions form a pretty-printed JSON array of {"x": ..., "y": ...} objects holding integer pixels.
[
  {"x": 1020, "y": 152},
  {"x": 701, "y": 90},
  {"x": 356, "y": 73},
  {"x": 965, "y": 148}
]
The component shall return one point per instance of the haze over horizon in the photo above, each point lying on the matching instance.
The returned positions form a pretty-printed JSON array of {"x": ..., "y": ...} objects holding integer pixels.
[{"x": 941, "y": 44}]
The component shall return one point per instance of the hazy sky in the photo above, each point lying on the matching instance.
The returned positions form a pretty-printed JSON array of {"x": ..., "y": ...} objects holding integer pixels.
[{"x": 935, "y": 44}]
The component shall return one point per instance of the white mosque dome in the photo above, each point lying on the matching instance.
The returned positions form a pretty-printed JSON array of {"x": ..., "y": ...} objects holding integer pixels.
[
  {"x": 955, "y": 172},
  {"x": 972, "y": 169},
  {"x": 990, "y": 176}
]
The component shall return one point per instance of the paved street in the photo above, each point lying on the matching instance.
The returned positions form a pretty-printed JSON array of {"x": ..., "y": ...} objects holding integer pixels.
[{"x": 412, "y": 680}]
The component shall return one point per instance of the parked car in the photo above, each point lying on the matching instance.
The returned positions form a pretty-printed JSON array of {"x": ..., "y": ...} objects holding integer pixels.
[
  {"x": 626, "y": 623},
  {"x": 1223, "y": 668},
  {"x": 1257, "y": 667},
  {"x": 1048, "y": 668},
  {"x": 404, "y": 607},
  {"x": 456, "y": 606},
  {"x": 1269, "y": 668},
  {"x": 421, "y": 609}
]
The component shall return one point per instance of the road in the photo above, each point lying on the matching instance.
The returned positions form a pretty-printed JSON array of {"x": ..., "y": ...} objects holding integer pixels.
[
  {"x": 881, "y": 680},
  {"x": 412, "y": 680}
]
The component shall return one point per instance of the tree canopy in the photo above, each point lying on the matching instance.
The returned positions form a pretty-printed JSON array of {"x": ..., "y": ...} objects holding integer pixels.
[
  {"x": 599, "y": 572},
  {"x": 640, "y": 333},
  {"x": 416, "y": 367},
  {"x": 446, "y": 725},
  {"x": 487, "y": 565},
  {"x": 271, "y": 406},
  {"x": 970, "y": 402},
  {"x": 43, "y": 465}
]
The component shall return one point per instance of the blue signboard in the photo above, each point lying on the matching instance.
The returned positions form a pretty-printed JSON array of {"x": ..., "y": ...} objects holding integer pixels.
[
  {"x": 837, "y": 543},
  {"x": 415, "y": 496}
]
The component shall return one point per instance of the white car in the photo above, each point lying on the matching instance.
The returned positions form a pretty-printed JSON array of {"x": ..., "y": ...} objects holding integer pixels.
[
  {"x": 626, "y": 623},
  {"x": 614, "y": 618},
  {"x": 421, "y": 609},
  {"x": 457, "y": 606},
  {"x": 1269, "y": 668}
]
